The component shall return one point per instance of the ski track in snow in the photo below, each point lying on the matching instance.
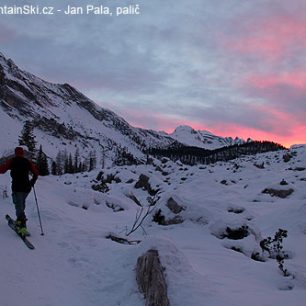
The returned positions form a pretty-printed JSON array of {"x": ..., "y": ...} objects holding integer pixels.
[{"x": 74, "y": 264}]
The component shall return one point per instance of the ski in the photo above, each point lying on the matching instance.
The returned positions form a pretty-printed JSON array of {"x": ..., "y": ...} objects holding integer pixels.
[{"x": 12, "y": 225}]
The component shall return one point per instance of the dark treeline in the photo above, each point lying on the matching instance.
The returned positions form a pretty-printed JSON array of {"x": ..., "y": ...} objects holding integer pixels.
[
  {"x": 66, "y": 163},
  {"x": 194, "y": 155}
]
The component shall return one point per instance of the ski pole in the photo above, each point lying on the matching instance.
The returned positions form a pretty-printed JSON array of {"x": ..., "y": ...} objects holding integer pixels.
[{"x": 42, "y": 232}]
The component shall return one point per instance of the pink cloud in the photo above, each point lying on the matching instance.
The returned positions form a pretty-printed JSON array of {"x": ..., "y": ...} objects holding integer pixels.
[
  {"x": 282, "y": 129},
  {"x": 284, "y": 91},
  {"x": 146, "y": 119},
  {"x": 274, "y": 130},
  {"x": 295, "y": 79},
  {"x": 269, "y": 37},
  {"x": 296, "y": 137}
]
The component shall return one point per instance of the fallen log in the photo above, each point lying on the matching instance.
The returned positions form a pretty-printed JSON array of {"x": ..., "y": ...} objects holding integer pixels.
[{"x": 150, "y": 279}]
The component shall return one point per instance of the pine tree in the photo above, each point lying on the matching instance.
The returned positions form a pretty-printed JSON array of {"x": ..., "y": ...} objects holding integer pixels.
[
  {"x": 42, "y": 162},
  {"x": 27, "y": 137},
  {"x": 70, "y": 165},
  {"x": 92, "y": 160},
  {"x": 76, "y": 160},
  {"x": 103, "y": 158},
  {"x": 60, "y": 163},
  {"x": 54, "y": 169}
]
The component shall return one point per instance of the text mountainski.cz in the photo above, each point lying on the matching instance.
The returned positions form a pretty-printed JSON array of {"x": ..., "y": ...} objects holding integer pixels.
[
  {"x": 69, "y": 10},
  {"x": 26, "y": 10}
]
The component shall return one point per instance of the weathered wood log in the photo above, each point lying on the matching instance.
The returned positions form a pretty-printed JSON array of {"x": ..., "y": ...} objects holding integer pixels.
[{"x": 151, "y": 280}]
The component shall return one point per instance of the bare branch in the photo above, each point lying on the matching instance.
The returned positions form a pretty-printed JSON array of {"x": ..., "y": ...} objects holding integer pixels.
[{"x": 142, "y": 214}]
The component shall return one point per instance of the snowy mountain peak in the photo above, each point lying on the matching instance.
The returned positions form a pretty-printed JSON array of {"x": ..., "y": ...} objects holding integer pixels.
[
  {"x": 183, "y": 128},
  {"x": 2, "y": 58},
  {"x": 10, "y": 69},
  {"x": 186, "y": 129},
  {"x": 202, "y": 138}
]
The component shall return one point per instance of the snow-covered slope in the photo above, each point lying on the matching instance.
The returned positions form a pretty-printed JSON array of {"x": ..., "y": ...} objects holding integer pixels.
[
  {"x": 203, "y": 139},
  {"x": 63, "y": 116},
  {"x": 75, "y": 264}
]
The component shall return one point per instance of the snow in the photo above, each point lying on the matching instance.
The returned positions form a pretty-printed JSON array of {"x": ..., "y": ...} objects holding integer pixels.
[
  {"x": 75, "y": 264},
  {"x": 202, "y": 138},
  {"x": 9, "y": 134}
]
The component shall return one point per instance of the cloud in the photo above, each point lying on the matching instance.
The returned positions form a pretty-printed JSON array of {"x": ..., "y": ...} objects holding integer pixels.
[
  {"x": 285, "y": 92},
  {"x": 273, "y": 127},
  {"x": 295, "y": 79},
  {"x": 271, "y": 39},
  {"x": 6, "y": 34},
  {"x": 267, "y": 31},
  {"x": 215, "y": 65}
]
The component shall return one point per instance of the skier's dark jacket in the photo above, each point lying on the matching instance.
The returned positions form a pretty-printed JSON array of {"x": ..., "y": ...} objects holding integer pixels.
[{"x": 20, "y": 169}]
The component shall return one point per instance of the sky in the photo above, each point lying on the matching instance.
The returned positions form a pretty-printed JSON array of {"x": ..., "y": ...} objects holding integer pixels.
[{"x": 232, "y": 67}]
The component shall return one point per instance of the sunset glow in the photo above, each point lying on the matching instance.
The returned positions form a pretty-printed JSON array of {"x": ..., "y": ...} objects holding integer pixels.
[{"x": 234, "y": 70}]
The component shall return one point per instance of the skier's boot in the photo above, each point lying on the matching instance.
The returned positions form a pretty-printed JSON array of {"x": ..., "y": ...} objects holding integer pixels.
[{"x": 21, "y": 227}]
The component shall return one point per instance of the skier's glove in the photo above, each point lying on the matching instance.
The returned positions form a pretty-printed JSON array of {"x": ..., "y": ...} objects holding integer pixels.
[{"x": 32, "y": 182}]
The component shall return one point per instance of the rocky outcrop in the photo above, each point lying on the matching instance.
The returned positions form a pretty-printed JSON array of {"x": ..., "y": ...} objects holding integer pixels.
[{"x": 280, "y": 193}]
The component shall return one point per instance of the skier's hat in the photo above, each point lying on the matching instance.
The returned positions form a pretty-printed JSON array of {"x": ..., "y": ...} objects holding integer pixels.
[{"x": 19, "y": 151}]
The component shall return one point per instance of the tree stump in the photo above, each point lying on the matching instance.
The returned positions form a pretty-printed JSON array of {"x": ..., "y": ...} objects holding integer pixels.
[{"x": 151, "y": 280}]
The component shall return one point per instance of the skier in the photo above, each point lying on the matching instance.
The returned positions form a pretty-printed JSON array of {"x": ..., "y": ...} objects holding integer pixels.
[{"x": 20, "y": 168}]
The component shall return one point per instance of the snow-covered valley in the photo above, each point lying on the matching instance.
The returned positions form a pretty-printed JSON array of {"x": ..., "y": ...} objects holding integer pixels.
[{"x": 76, "y": 263}]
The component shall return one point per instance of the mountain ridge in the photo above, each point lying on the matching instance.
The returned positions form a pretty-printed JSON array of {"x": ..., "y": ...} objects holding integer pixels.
[
  {"x": 203, "y": 138},
  {"x": 62, "y": 115}
]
